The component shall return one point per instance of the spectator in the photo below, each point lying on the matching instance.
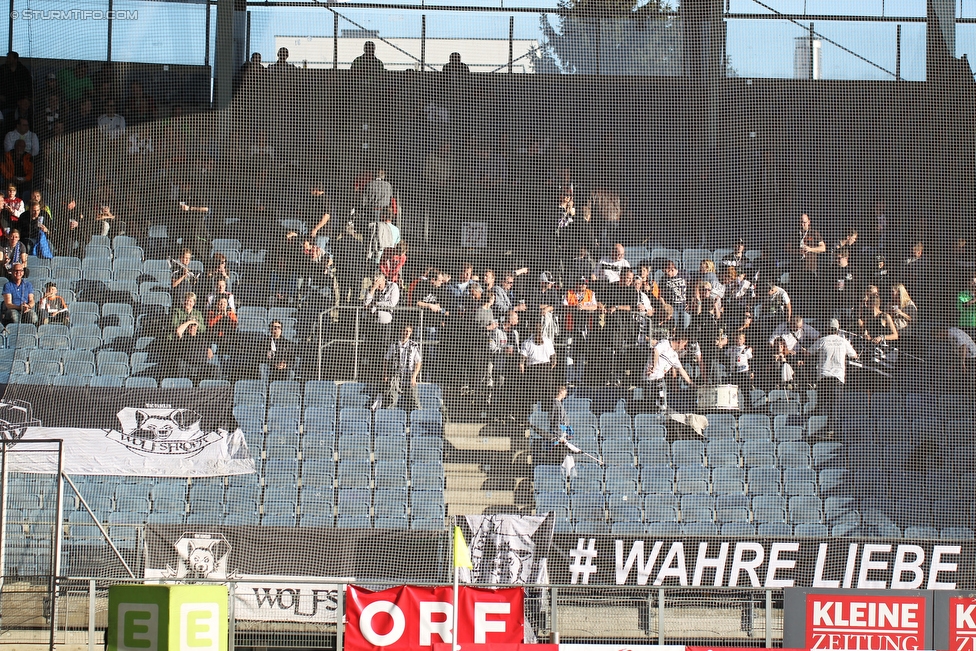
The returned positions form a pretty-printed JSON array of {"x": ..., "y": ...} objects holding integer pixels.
[
  {"x": 220, "y": 292},
  {"x": 706, "y": 273},
  {"x": 538, "y": 362},
  {"x": 841, "y": 288},
  {"x": 782, "y": 371},
  {"x": 15, "y": 252},
  {"x": 281, "y": 66},
  {"x": 15, "y": 82},
  {"x": 795, "y": 334},
  {"x": 23, "y": 132},
  {"x": 674, "y": 292},
  {"x": 188, "y": 312},
  {"x": 252, "y": 73},
  {"x": 964, "y": 350},
  {"x": 504, "y": 348},
  {"x": 431, "y": 294},
  {"x": 111, "y": 123},
  {"x": 879, "y": 276},
  {"x": 777, "y": 306},
  {"x": 82, "y": 117},
  {"x": 607, "y": 211},
  {"x": 542, "y": 305},
  {"x": 383, "y": 235},
  {"x": 52, "y": 113},
  {"x": 739, "y": 356},
  {"x": 36, "y": 234},
  {"x": 832, "y": 353},
  {"x": 915, "y": 271},
  {"x": 18, "y": 298},
  {"x": 852, "y": 244},
  {"x": 401, "y": 372},
  {"x": 221, "y": 318},
  {"x": 52, "y": 308},
  {"x": 665, "y": 358},
  {"x": 879, "y": 327},
  {"x": 459, "y": 288},
  {"x": 582, "y": 265},
  {"x": 75, "y": 83},
  {"x": 455, "y": 67},
  {"x": 902, "y": 309},
  {"x": 366, "y": 63},
  {"x": 139, "y": 106},
  {"x": 24, "y": 109},
  {"x": 279, "y": 354},
  {"x": 18, "y": 167},
  {"x": 381, "y": 298},
  {"x": 218, "y": 270},
  {"x": 182, "y": 278},
  {"x": 609, "y": 269},
  {"x": 802, "y": 253},
  {"x": 505, "y": 300},
  {"x": 193, "y": 353},
  {"x": 737, "y": 258},
  {"x": 350, "y": 252},
  {"x": 12, "y": 207},
  {"x": 378, "y": 198},
  {"x": 581, "y": 306}
]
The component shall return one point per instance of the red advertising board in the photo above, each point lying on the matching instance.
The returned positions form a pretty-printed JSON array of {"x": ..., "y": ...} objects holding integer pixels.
[
  {"x": 408, "y": 617},
  {"x": 962, "y": 624},
  {"x": 733, "y": 648},
  {"x": 879, "y": 622}
]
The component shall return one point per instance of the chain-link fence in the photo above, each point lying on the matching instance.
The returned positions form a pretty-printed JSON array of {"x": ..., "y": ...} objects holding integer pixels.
[{"x": 303, "y": 615}]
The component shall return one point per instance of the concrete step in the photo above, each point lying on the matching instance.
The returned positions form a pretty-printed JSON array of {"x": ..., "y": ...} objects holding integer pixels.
[{"x": 468, "y": 436}]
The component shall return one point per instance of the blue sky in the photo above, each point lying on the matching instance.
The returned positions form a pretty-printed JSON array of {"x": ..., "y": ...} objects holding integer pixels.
[{"x": 169, "y": 32}]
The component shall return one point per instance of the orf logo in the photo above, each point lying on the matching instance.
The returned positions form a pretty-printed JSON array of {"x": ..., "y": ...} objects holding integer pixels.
[
  {"x": 962, "y": 624},
  {"x": 138, "y": 627}
]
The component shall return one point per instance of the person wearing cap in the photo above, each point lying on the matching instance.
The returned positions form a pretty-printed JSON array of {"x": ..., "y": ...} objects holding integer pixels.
[{"x": 832, "y": 352}]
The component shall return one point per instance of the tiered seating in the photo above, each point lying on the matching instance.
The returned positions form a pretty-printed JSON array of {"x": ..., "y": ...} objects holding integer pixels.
[{"x": 753, "y": 474}]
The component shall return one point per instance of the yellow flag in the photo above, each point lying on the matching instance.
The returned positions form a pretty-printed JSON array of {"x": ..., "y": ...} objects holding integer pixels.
[{"x": 461, "y": 556}]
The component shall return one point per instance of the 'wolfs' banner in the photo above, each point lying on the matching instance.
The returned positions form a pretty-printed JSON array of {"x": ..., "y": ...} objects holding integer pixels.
[
  {"x": 278, "y": 572},
  {"x": 509, "y": 548},
  {"x": 141, "y": 432}
]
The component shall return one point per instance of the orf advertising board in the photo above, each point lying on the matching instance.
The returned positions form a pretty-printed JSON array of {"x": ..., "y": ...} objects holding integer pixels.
[
  {"x": 954, "y": 622},
  {"x": 857, "y": 620},
  {"x": 409, "y": 617}
]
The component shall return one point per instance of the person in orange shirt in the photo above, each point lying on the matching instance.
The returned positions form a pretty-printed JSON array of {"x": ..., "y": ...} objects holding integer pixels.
[
  {"x": 580, "y": 304},
  {"x": 18, "y": 166}
]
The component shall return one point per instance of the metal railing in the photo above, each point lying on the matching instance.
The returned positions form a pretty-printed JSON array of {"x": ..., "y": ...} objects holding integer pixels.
[
  {"x": 291, "y": 617},
  {"x": 415, "y": 315}
]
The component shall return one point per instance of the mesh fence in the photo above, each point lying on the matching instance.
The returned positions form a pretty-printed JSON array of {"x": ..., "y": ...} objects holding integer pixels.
[{"x": 300, "y": 332}]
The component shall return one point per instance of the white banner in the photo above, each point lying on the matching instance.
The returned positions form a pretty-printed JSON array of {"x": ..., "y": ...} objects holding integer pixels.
[
  {"x": 274, "y": 599},
  {"x": 509, "y": 548},
  {"x": 150, "y": 442}
]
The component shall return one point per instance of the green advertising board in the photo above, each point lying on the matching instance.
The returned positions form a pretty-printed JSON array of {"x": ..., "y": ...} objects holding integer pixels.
[{"x": 167, "y": 618}]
